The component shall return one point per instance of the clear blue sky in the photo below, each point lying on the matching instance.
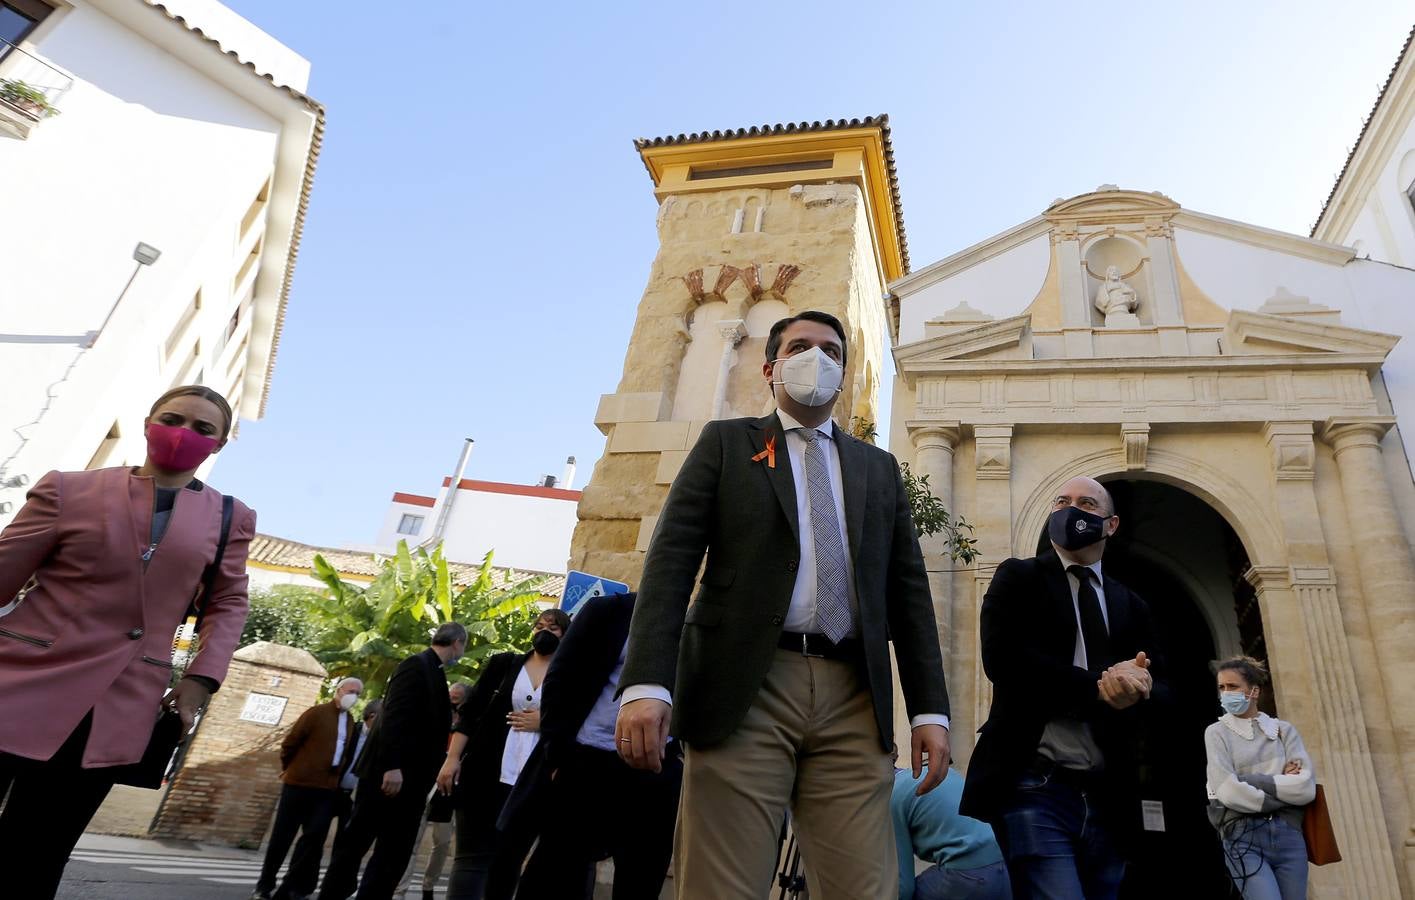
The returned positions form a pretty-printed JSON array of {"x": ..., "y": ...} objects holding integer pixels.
[{"x": 481, "y": 227}]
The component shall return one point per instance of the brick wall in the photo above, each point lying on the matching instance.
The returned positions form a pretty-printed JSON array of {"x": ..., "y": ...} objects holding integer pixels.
[{"x": 229, "y": 781}]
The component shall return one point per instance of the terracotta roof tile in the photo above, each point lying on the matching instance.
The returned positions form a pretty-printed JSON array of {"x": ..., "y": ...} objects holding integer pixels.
[
  {"x": 274, "y": 551},
  {"x": 1385, "y": 88},
  {"x": 881, "y": 122},
  {"x": 298, "y": 229}
]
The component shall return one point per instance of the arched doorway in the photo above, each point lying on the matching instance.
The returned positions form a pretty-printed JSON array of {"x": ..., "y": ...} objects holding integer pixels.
[{"x": 1186, "y": 561}]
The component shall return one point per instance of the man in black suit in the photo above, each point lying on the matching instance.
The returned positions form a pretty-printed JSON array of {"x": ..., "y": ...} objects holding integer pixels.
[
  {"x": 1071, "y": 655},
  {"x": 596, "y": 806},
  {"x": 779, "y": 672},
  {"x": 396, "y": 773}
]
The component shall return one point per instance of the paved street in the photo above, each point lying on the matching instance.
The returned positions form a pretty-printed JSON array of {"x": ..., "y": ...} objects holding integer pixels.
[{"x": 117, "y": 868}]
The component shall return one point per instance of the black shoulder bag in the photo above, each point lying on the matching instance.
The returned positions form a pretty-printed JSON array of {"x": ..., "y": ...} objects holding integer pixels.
[{"x": 167, "y": 733}]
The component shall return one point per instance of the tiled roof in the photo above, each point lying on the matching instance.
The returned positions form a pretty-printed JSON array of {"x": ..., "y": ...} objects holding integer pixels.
[
  {"x": 881, "y": 122},
  {"x": 1385, "y": 88},
  {"x": 274, "y": 551},
  {"x": 298, "y": 229}
]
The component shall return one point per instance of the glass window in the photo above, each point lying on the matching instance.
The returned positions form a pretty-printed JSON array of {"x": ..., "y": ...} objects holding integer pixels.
[
  {"x": 410, "y": 524},
  {"x": 18, "y": 18}
]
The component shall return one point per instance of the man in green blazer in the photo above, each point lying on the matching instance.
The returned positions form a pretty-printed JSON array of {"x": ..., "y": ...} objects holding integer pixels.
[{"x": 777, "y": 677}]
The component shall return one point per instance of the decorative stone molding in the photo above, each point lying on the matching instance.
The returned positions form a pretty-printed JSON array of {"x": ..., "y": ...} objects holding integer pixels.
[
  {"x": 934, "y": 435},
  {"x": 1135, "y": 437},
  {"x": 1345, "y": 433},
  {"x": 1269, "y": 578},
  {"x": 993, "y": 451},
  {"x": 751, "y": 275},
  {"x": 1293, "y": 450}
]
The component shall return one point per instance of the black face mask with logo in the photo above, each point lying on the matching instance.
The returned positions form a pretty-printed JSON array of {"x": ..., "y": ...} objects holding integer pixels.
[{"x": 1073, "y": 528}]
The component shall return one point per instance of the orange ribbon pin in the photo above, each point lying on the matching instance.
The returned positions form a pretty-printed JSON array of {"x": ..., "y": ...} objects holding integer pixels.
[{"x": 769, "y": 454}]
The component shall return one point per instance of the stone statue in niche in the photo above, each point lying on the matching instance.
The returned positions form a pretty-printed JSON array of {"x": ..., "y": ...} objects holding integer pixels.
[{"x": 1116, "y": 300}]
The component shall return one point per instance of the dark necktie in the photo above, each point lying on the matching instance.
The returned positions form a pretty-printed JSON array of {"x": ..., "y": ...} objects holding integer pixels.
[{"x": 1093, "y": 630}]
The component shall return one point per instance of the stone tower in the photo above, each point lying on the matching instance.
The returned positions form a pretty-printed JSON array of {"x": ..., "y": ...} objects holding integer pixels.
[{"x": 754, "y": 225}]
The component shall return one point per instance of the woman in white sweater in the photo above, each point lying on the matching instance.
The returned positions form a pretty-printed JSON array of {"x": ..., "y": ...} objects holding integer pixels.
[{"x": 1259, "y": 780}]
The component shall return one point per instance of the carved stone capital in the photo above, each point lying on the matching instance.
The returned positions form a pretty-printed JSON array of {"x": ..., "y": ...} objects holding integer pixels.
[
  {"x": 1135, "y": 439},
  {"x": 1345, "y": 433},
  {"x": 732, "y": 331},
  {"x": 1269, "y": 578},
  {"x": 993, "y": 451},
  {"x": 1293, "y": 450},
  {"x": 934, "y": 435}
]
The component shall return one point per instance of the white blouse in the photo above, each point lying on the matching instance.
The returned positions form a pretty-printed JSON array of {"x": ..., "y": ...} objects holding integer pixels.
[{"x": 519, "y": 744}]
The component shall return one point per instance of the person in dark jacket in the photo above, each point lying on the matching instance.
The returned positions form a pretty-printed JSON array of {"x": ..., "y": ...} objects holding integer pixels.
[
  {"x": 597, "y": 806},
  {"x": 1071, "y": 653},
  {"x": 497, "y": 729},
  {"x": 312, "y": 759},
  {"x": 397, "y": 772}
]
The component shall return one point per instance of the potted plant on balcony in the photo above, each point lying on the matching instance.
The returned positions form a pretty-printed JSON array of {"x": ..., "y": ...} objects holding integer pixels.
[{"x": 26, "y": 99}]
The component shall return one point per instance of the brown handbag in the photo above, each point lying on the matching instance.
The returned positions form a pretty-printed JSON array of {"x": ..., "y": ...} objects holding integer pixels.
[{"x": 1318, "y": 833}]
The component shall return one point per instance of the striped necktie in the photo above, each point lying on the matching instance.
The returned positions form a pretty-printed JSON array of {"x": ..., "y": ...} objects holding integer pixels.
[{"x": 832, "y": 592}]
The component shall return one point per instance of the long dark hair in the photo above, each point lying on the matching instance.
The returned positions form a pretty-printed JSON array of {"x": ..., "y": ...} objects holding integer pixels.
[{"x": 204, "y": 392}]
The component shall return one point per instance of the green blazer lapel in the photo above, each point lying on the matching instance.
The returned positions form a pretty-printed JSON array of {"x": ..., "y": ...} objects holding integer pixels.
[
  {"x": 780, "y": 477},
  {"x": 854, "y": 478}
]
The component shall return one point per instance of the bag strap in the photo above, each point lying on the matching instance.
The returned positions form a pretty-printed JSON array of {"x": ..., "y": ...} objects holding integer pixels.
[{"x": 208, "y": 578}]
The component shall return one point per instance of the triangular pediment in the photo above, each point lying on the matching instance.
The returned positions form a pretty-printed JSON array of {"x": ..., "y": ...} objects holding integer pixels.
[
  {"x": 1003, "y": 339},
  {"x": 1252, "y": 333},
  {"x": 1112, "y": 205}
]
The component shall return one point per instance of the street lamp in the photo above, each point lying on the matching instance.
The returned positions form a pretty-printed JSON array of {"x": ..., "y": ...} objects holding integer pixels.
[{"x": 144, "y": 255}]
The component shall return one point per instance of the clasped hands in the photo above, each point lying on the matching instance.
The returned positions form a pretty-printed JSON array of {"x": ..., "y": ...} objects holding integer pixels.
[{"x": 1126, "y": 683}]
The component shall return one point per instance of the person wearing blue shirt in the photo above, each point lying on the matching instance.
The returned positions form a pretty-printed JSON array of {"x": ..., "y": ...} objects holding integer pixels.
[{"x": 967, "y": 862}]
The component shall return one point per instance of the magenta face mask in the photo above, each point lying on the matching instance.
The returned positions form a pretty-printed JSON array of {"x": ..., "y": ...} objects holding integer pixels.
[{"x": 177, "y": 449}]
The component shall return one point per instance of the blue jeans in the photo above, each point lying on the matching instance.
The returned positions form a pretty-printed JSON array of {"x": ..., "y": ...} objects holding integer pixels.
[
  {"x": 988, "y": 882},
  {"x": 1267, "y": 859},
  {"x": 1056, "y": 849}
]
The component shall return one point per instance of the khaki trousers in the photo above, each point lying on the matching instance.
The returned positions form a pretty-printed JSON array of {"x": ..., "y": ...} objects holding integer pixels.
[{"x": 810, "y": 741}]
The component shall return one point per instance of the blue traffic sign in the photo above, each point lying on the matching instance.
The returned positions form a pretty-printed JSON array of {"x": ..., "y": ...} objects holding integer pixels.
[{"x": 581, "y": 586}]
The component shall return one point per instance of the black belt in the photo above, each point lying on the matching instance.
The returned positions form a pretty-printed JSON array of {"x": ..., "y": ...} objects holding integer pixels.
[{"x": 818, "y": 645}]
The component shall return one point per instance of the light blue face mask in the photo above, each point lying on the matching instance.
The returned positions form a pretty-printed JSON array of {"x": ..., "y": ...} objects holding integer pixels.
[{"x": 1234, "y": 702}]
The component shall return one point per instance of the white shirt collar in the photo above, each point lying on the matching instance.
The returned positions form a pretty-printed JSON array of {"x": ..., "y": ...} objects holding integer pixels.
[
  {"x": 787, "y": 424},
  {"x": 1245, "y": 728},
  {"x": 1067, "y": 560}
]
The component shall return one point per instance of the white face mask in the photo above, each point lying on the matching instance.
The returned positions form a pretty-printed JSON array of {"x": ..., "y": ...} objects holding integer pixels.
[
  {"x": 811, "y": 377},
  {"x": 348, "y": 700}
]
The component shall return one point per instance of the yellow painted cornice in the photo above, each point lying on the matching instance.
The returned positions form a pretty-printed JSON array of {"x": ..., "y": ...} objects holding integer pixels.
[{"x": 860, "y": 155}]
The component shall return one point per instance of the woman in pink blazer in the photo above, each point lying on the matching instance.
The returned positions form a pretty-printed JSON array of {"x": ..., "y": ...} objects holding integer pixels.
[{"x": 107, "y": 562}]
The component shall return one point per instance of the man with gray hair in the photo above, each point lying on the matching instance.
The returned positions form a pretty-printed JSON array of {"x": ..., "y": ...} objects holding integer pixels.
[
  {"x": 312, "y": 758},
  {"x": 397, "y": 772}
]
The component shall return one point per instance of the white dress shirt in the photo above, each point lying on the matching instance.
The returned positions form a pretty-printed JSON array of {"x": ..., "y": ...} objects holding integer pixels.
[
  {"x": 350, "y": 780},
  {"x": 801, "y": 613},
  {"x": 1067, "y": 741},
  {"x": 340, "y": 737}
]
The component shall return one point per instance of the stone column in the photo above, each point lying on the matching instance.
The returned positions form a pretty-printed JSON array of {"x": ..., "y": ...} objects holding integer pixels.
[
  {"x": 934, "y": 443},
  {"x": 732, "y": 332},
  {"x": 1387, "y": 576},
  {"x": 1313, "y": 672},
  {"x": 993, "y": 508}
]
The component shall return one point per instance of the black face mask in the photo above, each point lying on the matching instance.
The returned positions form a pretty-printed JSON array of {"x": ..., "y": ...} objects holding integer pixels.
[
  {"x": 1072, "y": 528},
  {"x": 545, "y": 642}
]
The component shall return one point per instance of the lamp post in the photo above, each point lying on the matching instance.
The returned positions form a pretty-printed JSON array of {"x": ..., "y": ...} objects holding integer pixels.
[{"x": 143, "y": 255}]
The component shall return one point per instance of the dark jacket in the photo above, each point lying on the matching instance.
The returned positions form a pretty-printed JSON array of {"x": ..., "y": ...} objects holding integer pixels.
[
  {"x": 411, "y": 732},
  {"x": 1028, "y": 633},
  {"x": 577, "y": 676},
  {"x": 307, "y": 752},
  {"x": 733, "y": 505},
  {"x": 580, "y": 669},
  {"x": 482, "y": 718}
]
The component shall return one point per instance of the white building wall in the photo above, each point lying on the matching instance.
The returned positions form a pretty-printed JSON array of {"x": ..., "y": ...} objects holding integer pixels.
[
  {"x": 1000, "y": 286},
  {"x": 531, "y": 533},
  {"x": 148, "y": 149}
]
